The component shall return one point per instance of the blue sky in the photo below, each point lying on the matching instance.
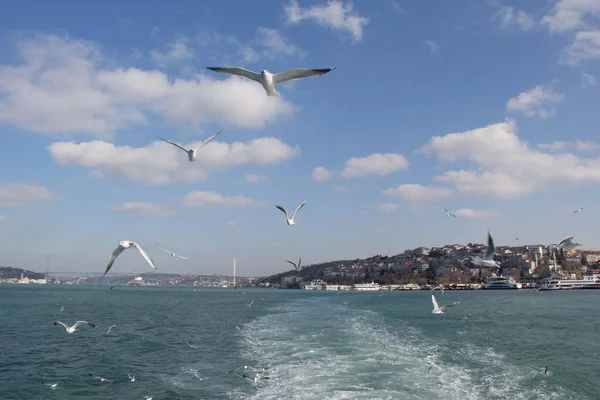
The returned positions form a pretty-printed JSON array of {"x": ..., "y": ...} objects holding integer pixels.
[{"x": 486, "y": 108}]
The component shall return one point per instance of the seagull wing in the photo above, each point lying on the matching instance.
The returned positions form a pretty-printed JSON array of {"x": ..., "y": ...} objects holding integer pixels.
[
  {"x": 298, "y": 209},
  {"x": 163, "y": 249},
  {"x": 565, "y": 240},
  {"x": 489, "y": 253},
  {"x": 283, "y": 210},
  {"x": 145, "y": 255},
  {"x": 83, "y": 323},
  {"x": 236, "y": 71},
  {"x": 293, "y": 263},
  {"x": 174, "y": 144},
  {"x": 299, "y": 74},
  {"x": 58, "y": 322},
  {"x": 113, "y": 257},
  {"x": 435, "y": 303},
  {"x": 442, "y": 308},
  {"x": 209, "y": 139},
  {"x": 299, "y": 262},
  {"x": 182, "y": 257}
]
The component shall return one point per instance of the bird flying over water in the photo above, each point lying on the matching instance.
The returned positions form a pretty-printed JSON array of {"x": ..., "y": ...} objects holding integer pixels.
[
  {"x": 449, "y": 214},
  {"x": 102, "y": 379},
  {"x": 131, "y": 378},
  {"x": 436, "y": 308},
  {"x": 488, "y": 257},
  {"x": 193, "y": 347},
  {"x": 249, "y": 304},
  {"x": 191, "y": 152},
  {"x": 52, "y": 385},
  {"x": 171, "y": 253},
  {"x": 268, "y": 80},
  {"x": 297, "y": 266},
  {"x": 109, "y": 328},
  {"x": 124, "y": 245},
  {"x": 71, "y": 329},
  {"x": 546, "y": 370},
  {"x": 567, "y": 243},
  {"x": 580, "y": 209},
  {"x": 290, "y": 221},
  {"x": 62, "y": 308}
]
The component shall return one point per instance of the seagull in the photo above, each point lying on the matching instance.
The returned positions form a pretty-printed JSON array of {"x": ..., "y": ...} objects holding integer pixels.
[
  {"x": 62, "y": 308},
  {"x": 249, "y": 304},
  {"x": 297, "y": 266},
  {"x": 52, "y": 385},
  {"x": 193, "y": 347},
  {"x": 516, "y": 238},
  {"x": 131, "y": 378},
  {"x": 256, "y": 378},
  {"x": 290, "y": 221},
  {"x": 530, "y": 326},
  {"x": 102, "y": 379},
  {"x": 546, "y": 370},
  {"x": 268, "y": 80},
  {"x": 124, "y": 245},
  {"x": 171, "y": 253},
  {"x": 192, "y": 152},
  {"x": 567, "y": 243},
  {"x": 438, "y": 287},
  {"x": 449, "y": 214},
  {"x": 71, "y": 329},
  {"x": 488, "y": 257},
  {"x": 109, "y": 328},
  {"x": 148, "y": 397},
  {"x": 431, "y": 366},
  {"x": 436, "y": 308},
  {"x": 580, "y": 209}
]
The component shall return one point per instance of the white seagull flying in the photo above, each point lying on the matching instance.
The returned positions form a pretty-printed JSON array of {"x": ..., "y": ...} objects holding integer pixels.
[
  {"x": 567, "y": 243},
  {"x": 488, "y": 257},
  {"x": 131, "y": 377},
  {"x": 192, "y": 152},
  {"x": 436, "y": 308},
  {"x": 449, "y": 214},
  {"x": 249, "y": 304},
  {"x": 297, "y": 266},
  {"x": 71, "y": 329},
  {"x": 52, "y": 385},
  {"x": 269, "y": 80},
  {"x": 109, "y": 328},
  {"x": 290, "y": 221},
  {"x": 171, "y": 253},
  {"x": 124, "y": 245},
  {"x": 580, "y": 209},
  {"x": 102, "y": 379}
]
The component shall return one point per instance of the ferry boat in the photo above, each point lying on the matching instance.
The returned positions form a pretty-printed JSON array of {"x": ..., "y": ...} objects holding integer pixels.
[
  {"x": 367, "y": 286},
  {"x": 586, "y": 282},
  {"x": 499, "y": 284}
]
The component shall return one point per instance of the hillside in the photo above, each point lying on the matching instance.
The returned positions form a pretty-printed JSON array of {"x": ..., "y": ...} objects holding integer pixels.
[{"x": 15, "y": 273}]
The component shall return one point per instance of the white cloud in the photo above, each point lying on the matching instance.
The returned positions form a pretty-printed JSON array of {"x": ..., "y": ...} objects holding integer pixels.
[
  {"x": 504, "y": 166},
  {"x": 18, "y": 194},
  {"x": 161, "y": 163},
  {"x": 416, "y": 193},
  {"x": 388, "y": 207},
  {"x": 253, "y": 178},
  {"x": 63, "y": 87},
  {"x": 585, "y": 46},
  {"x": 558, "y": 146},
  {"x": 321, "y": 174},
  {"x": 508, "y": 16},
  {"x": 433, "y": 46},
  {"x": 276, "y": 44},
  {"x": 179, "y": 50},
  {"x": 199, "y": 198},
  {"x": 339, "y": 188},
  {"x": 335, "y": 15},
  {"x": 475, "y": 214},
  {"x": 588, "y": 80},
  {"x": 374, "y": 164},
  {"x": 569, "y": 15},
  {"x": 230, "y": 223},
  {"x": 531, "y": 102},
  {"x": 143, "y": 209},
  {"x": 398, "y": 8}
]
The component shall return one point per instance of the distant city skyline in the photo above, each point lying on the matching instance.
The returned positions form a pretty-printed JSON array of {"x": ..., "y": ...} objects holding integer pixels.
[{"x": 489, "y": 111}]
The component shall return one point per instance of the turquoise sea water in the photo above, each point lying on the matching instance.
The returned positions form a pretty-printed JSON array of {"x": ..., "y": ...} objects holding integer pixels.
[{"x": 316, "y": 345}]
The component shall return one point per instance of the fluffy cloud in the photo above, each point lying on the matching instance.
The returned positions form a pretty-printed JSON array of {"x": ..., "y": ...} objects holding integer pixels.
[
  {"x": 162, "y": 163},
  {"x": 334, "y": 15},
  {"x": 569, "y": 15},
  {"x": 416, "y": 193},
  {"x": 531, "y": 102},
  {"x": 374, "y": 164},
  {"x": 201, "y": 198},
  {"x": 388, "y": 207},
  {"x": 588, "y": 80},
  {"x": 143, "y": 209},
  {"x": 179, "y": 50},
  {"x": 18, "y": 194},
  {"x": 276, "y": 44},
  {"x": 585, "y": 46},
  {"x": 474, "y": 214},
  {"x": 558, "y": 147},
  {"x": 253, "y": 178},
  {"x": 504, "y": 166},
  {"x": 433, "y": 46},
  {"x": 64, "y": 87},
  {"x": 508, "y": 16},
  {"x": 321, "y": 174}
]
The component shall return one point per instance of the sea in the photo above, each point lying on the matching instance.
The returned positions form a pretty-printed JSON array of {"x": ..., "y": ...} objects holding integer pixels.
[{"x": 183, "y": 343}]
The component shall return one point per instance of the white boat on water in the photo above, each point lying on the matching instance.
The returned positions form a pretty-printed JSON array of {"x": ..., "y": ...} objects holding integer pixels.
[
  {"x": 367, "y": 286},
  {"x": 500, "y": 284},
  {"x": 586, "y": 282}
]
